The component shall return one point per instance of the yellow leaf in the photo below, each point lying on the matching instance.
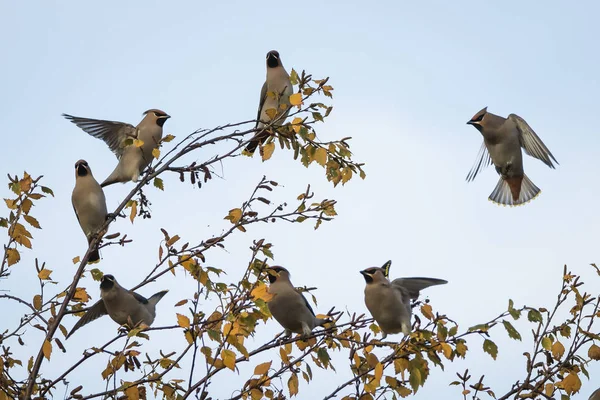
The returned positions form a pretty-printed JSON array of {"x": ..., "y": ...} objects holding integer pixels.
[
  {"x": 594, "y": 352},
  {"x": 447, "y": 350},
  {"x": 138, "y": 142},
  {"x": 426, "y": 310},
  {"x": 172, "y": 240},
  {"x": 47, "y": 349},
  {"x": 558, "y": 350},
  {"x": 133, "y": 211},
  {"x": 228, "y": 357},
  {"x": 168, "y": 138},
  {"x": 183, "y": 321},
  {"x": 293, "y": 385},
  {"x": 234, "y": 215},
  {"x": 156, "y": 153},
  {"x": 132, "y": 393},
  {"x": 297, "y": 124},
  {"x": 549, "y": 389},
  {"x": 44, "y": 274},
  {"x": 12, "y": 256},
  {"x": 283, "y": 355},
  {"x": 296, "y": 99},
  {"x": 271, "y": 113},
  {"x": 37, "y": 302},
  {"x": 378, "y": 371},
  {"x": 261, "y": 291},
  {"x": 76, "y": 260},
  {"x": 571, "y": 383},
  {"x": 321, "y": 156},
  {"x": 262, "y": 369},
  {"x": 267, "y": 150},
  {"x": 81, "y": 295}
]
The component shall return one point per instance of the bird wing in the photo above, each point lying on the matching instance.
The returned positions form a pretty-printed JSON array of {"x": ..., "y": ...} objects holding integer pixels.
[
  {"x": 263, "y": 97},
  {"x": 481, "y": 162},
  {"x": 413, "y": 286},
  {"x": 531, "y": 142},
  {"x": 139, "y": 297},
  {"x": 94, "y": 312},
  {"x": 307, "y": 303},
  {"x": 113, "y": 133}
]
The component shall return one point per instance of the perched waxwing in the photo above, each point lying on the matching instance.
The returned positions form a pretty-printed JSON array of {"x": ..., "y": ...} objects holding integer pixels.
[
  {"x": 122, "y": 305},
  {"x": 132, "y": 159},
  {"x": 89, "y": 204},
  {"x": 389, "y": 302},
  {"x": 503, "y": 139},
  {"x": 288, "y": 306},
  {"x": 275, "y": 92}
]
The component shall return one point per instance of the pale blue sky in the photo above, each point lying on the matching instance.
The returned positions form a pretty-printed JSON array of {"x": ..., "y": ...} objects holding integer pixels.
[{"x": 407, "y": 77}]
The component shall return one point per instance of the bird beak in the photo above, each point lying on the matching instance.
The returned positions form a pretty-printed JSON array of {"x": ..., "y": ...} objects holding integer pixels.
[
  {"x": 165, "y": 116},
  {"x": 470, "y": 123},
  {"x": 364, "y": 273}
]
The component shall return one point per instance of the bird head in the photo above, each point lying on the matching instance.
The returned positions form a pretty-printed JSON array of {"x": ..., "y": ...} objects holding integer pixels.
[
  {"x": 160, "y": 117},
  {"x": 478, "y": 119},
  {"x": 82, "y": 168},
  {"x": 273, "y": 60},
  {"x": 277, "y": 272},
  {"x": 374, "y": 275},
  {"x": 107, "y": 282}
]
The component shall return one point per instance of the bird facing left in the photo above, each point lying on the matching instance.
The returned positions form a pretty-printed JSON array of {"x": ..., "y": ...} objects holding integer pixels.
[{"x": 125, "y": 307}]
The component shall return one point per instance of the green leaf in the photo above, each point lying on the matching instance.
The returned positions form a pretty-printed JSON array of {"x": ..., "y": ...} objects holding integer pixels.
[
  {"x": 516, "y": 314},
  {"x": 490, "y": 348},
  {"x": 47, "y": 190},
  {"x": 512, "y": 332},
  {"x": 159, "y": 183},
  {"x": 534, "y": 316}
]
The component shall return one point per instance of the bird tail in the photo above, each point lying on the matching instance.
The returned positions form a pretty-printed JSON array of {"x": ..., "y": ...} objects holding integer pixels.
[
  {"x": 514, "y": 191},
  {"x": 155, "y": 298},
  {"x": 94, "y": 256},
  {"x": 260, "y": 138}
]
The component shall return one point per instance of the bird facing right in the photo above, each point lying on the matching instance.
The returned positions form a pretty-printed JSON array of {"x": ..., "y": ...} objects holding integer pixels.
[
  {"x": 389, "y": 302},
  {"x": 288, "y": 306},
  {"x": 275, "y": 94},
  {"x": 122, "y": 305},
  {"x": 132, "y": 159},
  {"x": 503, "y": 139}
]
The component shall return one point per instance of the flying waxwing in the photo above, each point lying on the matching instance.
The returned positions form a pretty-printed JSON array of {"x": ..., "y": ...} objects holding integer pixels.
[
  {"x": 502, "y": 142},
  {"x": 276, "y": 91},
  {"x": 389, "y": 302},
  {"x": 288, "y": 306},
  {"x": 122, "y": 305},
  {"x": 595, "y": 395},
  {"x": 89, "y": 204},
  {"x": 132, "y": 159}
]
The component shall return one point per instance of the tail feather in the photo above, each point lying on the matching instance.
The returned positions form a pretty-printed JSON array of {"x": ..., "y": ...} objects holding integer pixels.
[
  {"x": 260, "y": 138},
  {"x": 94, "y": 255},
  {"x": 155, "y": 298},
  {"x": 506, "y": 195}
]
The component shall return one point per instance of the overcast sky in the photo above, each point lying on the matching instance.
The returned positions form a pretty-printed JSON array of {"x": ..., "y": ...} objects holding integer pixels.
[{"x": 407, "y": 77}]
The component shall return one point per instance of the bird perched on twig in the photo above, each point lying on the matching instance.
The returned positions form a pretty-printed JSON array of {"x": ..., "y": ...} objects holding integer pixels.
[
  {"x": 389, "y": 302},
  {"x": 288, "y": 306},
  {"x": 122, "y": 305},
  {"x": 135, "y": 157}
]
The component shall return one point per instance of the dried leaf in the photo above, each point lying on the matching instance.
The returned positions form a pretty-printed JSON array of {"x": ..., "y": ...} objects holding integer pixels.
[{"x": 183, "y": 321}]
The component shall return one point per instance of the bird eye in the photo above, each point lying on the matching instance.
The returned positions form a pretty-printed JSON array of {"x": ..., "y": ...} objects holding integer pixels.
[
  {"x": 156, "y": 114},
  {"x": 479, "y": 118}
]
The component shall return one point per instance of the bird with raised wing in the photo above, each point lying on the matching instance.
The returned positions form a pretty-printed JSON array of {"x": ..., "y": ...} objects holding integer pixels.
[
  {"x": 125, "y": 307},
  {"x": 503, "y": 139},
  {"x": 389, "y": 302},
  {"x": 133, "y": 157},
  {"x": 275, "y": 94},
  {"x": 288, "y": 306}
]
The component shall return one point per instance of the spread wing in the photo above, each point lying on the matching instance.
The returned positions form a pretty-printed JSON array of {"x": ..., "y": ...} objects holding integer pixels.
[
  {"x": 481, "y": 162},
  {"x": 95, "y": 312},
  {"x": 531, "y": 142},
  {"x": 263, "y": 97},
  {"x": 413, "y": 286},
  {"x": 111, "y": 132}
]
